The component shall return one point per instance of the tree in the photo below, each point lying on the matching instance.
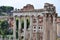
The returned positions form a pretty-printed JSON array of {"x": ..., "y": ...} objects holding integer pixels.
[
  {"x": 6, "y": 8},
  {"x": 4, "y": 27}
]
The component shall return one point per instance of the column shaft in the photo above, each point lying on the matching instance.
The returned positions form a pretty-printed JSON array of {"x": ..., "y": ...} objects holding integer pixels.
[
  {"x": 37, "y": 30},
  {"x": 31, "y": 28},
  {"x": 51, "y": 27},
  {"x": 54, "y": 29},
  {"x": 51, "y": 34},
  {"x": 19, "y": 29},
  {"x": 25, "y": 28},
  {"x": 44, "y": 28},
  {"x": 14, "y": 29}
]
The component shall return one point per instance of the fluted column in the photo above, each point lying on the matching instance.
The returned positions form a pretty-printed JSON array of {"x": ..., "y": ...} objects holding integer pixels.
[
  {"x": 44, "y": 28},
  {"x": 19, "y": 28},
  {"x": 51, "y": 26},
  {"x": 14, "y": 29},
  {"x": 31, "y": 28},
  {"x": 51, "y": 34},
  {"x": 37, "y": 30},
  {"x": 54, "y": 29},
  {"x": 25, "y": 27}
]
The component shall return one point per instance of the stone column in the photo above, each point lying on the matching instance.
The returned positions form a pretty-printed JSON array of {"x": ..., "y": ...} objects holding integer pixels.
[
  {"x": 31, "y": 28},
  {"x": 14, "y": 29},
  {"x": 25, "y": 28},
  {"x": 51, "y": 34},
  {"x": 54, "y": 28},
  {"x": 51, "y": 27},
  {"x": 19, "y": 28},
  {"x": 37, "y": 30},
  {"x": 44, "y": 28}
]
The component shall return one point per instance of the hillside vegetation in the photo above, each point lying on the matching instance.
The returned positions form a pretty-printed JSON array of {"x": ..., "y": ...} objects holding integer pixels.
[{"x": 5, "y": 9}]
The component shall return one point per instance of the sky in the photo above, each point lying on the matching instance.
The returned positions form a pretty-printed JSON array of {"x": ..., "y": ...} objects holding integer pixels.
[{"x": 37, "y": 3}]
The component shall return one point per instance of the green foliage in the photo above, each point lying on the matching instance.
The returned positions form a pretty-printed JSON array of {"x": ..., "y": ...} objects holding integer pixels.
[
  {"x": 2, "y": 14},
  {"x": 4, "y": 27},
  {"x": 6, "y": 8},
  {"x": 17, "y": 24},
  {"x": 22, "y": 24},
  {"x": 27, "y": 23},
  {"x": 17, "y": 28}
]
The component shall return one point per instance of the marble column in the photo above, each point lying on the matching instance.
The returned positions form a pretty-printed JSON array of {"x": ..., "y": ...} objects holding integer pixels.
[
  {"x": 19, "y": 28},
  {"x": 31, "y": 29},
  {"x": 54, "y": 28},
  {"x": 14, "y": 29},
  {"x": 25, "y": 25},
  {"x": 37, "y": 30},
  {"x": 51, "y": 27},
  {"x": 44, "y": 28},
  {"x": 51, "y": 34}
]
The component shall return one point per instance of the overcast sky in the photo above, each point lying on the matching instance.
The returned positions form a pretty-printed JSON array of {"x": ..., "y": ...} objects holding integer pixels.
[{"x": 37, "y": 3}]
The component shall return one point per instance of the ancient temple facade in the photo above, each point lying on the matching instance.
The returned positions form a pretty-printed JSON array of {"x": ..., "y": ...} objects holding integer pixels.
[{"x": 43, "y": 22}]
